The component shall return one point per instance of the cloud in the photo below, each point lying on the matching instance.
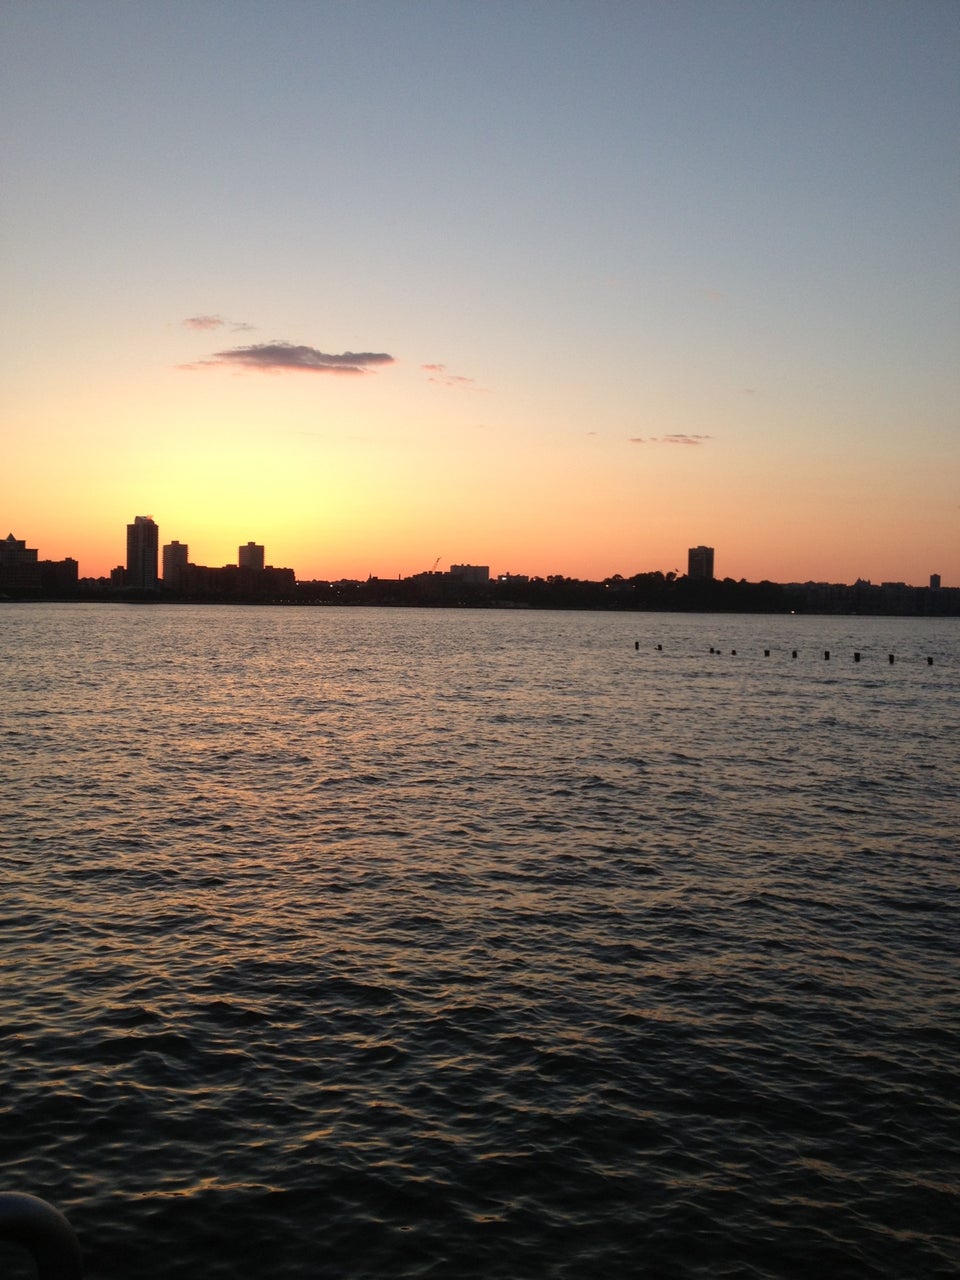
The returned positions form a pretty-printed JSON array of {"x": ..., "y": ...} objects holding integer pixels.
[
  {"x": 438, "y": 373},
  {"x": 274, "y": 357},
  {"x": 204, "y": 322},
  {"x": 674, "y": 438}
]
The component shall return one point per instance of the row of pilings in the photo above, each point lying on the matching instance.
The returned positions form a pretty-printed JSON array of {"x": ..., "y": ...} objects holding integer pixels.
[{"x": 795, "y": 653}]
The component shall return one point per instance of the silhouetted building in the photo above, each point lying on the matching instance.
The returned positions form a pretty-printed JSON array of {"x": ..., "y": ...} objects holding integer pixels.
[
  {"x": 59, "y": 577},
  {"x": 250, "y": 556},
  {"x": 19, "y": 570},
  {"x": 475, "y": 573},
  {"x": 934, "y": 582},
  {"x": 700, "y": 563},
  {"x": 230, "y": 582},
  {"x": 143, "y": 539},
  {"x": 175, "y": 556}
]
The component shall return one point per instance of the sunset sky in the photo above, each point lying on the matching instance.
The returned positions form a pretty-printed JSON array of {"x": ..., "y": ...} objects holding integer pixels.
[{"x": 553, "y": 287}]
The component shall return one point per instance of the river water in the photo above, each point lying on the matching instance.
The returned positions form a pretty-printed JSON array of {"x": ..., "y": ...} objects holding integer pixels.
[{"x": 409, "y": 943}]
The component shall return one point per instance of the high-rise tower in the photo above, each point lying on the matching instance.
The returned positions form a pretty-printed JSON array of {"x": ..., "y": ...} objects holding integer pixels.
[
  {"x": 700, "y": 563},
  {"x": 143, "y": 539},
  {"x": 175, "y": 556},
  {"x": 250, "y": 556}
]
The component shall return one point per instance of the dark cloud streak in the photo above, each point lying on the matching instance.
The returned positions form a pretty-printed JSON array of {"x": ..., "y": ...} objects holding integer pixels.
[{"x": 275, "y": 357}]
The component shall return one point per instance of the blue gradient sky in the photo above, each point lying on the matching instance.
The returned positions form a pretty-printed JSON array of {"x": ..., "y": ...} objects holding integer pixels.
[{"x": 650, "y": 275}]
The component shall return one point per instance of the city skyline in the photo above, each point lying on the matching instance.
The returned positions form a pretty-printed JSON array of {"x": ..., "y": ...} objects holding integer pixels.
[
  {"x": 151, "y": 562},
  {"x": 562, "y": 289}
]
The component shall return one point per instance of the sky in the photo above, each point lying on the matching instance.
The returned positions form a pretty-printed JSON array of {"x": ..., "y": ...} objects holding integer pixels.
[{"x": 552, "y": 287}]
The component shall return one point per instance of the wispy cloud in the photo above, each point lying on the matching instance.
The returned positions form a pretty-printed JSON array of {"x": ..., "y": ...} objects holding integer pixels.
[
  {"x": 674, "y": 438},
  {"x": 439, "y": 374},
  {"x": 204, "y": 322},
  {"x": 284, "y": 357}
]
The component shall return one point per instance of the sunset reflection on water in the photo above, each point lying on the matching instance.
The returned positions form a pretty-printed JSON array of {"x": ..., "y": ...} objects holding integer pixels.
[{"x": 352, "y": 942}]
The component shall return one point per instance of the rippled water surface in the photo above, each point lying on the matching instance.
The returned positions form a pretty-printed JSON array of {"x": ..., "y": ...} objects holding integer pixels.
[{"x": 401, "y": 943}]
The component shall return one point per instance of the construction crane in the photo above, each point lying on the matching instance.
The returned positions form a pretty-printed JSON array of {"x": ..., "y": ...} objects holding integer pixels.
[{"x": 435, "y": 563}]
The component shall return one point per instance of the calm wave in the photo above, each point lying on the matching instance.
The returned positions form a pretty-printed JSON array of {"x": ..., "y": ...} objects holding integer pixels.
[{"x": 349, "y": 943}]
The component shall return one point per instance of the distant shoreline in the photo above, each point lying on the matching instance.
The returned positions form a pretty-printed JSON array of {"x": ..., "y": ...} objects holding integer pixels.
[{"x": 768, "y": 599}]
